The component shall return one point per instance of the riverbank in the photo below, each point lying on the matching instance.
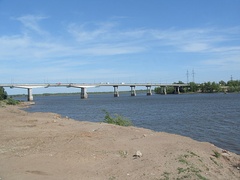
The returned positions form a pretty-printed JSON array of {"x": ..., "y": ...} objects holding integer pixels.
[{"x": 48, "y": 146}]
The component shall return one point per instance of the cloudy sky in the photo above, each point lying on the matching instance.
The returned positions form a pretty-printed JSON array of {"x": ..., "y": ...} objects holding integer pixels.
[{"x": 79, "y": 41}]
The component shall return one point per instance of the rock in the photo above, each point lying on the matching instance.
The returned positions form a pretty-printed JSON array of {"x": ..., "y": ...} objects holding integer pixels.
[{"x": 138, "y": 154}]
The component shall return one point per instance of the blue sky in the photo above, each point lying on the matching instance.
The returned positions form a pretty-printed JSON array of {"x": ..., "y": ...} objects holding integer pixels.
[{"x": 91, "y": 41}]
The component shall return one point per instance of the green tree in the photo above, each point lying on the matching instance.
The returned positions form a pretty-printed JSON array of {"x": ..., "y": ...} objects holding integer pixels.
[
  {"x": 157, "y": 90},
  {"x": 222, "y": 83},
  {"x": 210, "y": 87},
  {"x": 3, "y": 94},
  {"x": 233, "y": 86},
  {"x": 179, "y": 82},
  {"x": 193, "y": 87}
]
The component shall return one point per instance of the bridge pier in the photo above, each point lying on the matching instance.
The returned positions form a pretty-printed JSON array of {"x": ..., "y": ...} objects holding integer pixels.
[
  {"x": 30, "y": 96},
  {"x": 164, "y": 90},
  {"x": 176, "y": 90},
  {"x": 133, "y": 91},
  {"x": 84, "y": 94},
  {"x": 116, "y": 93},
  {"x": 149, "y": 91}
]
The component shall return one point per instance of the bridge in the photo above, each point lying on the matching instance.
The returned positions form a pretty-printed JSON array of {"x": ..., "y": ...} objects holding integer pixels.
[{"x": 84, "y": 86}]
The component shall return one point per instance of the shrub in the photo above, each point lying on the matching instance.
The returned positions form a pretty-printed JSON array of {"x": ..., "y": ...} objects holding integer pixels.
[
  {"x": 11, "y": 101},
  {"x": 216, "y": 154},
  {"x": 117, "y": 120},
  {"x": 3, "y": 94}
]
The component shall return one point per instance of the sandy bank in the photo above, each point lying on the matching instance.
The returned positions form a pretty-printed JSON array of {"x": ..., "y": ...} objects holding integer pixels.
[{"x": 47, "y": 146}]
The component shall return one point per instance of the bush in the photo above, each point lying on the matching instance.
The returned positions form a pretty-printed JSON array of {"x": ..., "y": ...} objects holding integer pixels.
[
  {"x": 11, "y": 101},
  {"x": 3, "y": 94},
  {"x": 117, "y": 120}
]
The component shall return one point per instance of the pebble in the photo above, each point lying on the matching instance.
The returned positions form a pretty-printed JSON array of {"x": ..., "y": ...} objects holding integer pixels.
[{"x": 138, "y": 154}]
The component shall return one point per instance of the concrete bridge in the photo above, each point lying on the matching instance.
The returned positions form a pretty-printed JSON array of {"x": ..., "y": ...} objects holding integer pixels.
[{"x": 84, "y": 86}]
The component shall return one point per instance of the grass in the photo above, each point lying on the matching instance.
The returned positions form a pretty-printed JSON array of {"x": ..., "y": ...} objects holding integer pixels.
[
  {"x": 9, "y": 101},
  {"x": 165, "y": 176},
  {"x": 216, "y": 154},
  {"x": 117, "y": 120},
  {"x": 123, "y": 153},
  {"x": 188, "y": 170},
  {"x": 183, "y": 160}
]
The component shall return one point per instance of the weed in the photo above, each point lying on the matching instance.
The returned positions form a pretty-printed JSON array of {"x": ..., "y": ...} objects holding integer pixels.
[
  {"x": 201, "y": 177},
  {"x": 10, "y": 101},
  {"x": 182, "y": 160},
  {"x": 189, "y": 171},
  {"x": 117, "y": 120},
  {"x": 216, "y": 154},
  {"x": 165, "y": 175},
  {"x": 193, "y": 154},
  {"x": 181, "y": 170},
  {"x": 123, "y": 153}
]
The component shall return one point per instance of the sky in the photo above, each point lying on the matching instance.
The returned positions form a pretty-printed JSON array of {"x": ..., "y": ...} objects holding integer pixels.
[{"x": 131, "y": 41}]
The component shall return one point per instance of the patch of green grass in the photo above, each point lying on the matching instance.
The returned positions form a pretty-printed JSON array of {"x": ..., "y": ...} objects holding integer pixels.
[
  {"x": 10, "y": 101},
  {"x": 123, "y": 153},
  {"x": 182, "y": 160},
  {"x": 216, "y": 154},
  {"x": 117, "y": 120},
  {"x": 165, "y": 176},
  {"x": 188, "y": 169},
  {"x": 181, "y": 170},
  {"x": 193, "y": 154},
  {"x": 201, "y": 177}
]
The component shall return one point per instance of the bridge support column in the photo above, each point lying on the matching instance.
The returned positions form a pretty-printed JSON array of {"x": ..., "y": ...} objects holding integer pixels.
[
  {"x": 149, "y": 91},
  {"x": 133, "y": 91},
  {"x": 116, "y": 93},
  {"x": 176, "y": 91},
  {"x": 164, "y": 90},
  {"x": 30, "y": 96},
  {"x": 84, "y": 94}
]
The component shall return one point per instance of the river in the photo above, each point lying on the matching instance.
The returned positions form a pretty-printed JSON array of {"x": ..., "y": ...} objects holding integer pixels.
[{"x": 214, "y": 118}]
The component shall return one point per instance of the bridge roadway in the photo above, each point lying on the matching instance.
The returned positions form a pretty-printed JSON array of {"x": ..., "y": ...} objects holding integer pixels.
[{"x": 84, "y": 87}]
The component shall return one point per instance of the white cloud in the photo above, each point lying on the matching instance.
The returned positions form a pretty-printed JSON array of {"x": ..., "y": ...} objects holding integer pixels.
[
  {"x": 200, "y": 40},
  {"x": 91, "y": 31},
  {"x": 31, "y": 22},
  {"x": 195, "y": 47},
  {"x": 109, "y": 38},
  {"x": 93, "y": 42}
]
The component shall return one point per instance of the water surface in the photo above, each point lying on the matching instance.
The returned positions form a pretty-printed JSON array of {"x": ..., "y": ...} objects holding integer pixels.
[{"x": 213, "y": 118}]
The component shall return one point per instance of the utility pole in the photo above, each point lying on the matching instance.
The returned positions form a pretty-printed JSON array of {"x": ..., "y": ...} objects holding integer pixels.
[
  {"x": 231, "y": 78},
  {"x": 193, "y": 75},
  {"x": 187, "y": 76}
]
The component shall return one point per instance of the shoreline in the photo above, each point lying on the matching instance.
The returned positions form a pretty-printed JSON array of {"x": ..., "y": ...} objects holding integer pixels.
[{"x": 46, "y": 145}]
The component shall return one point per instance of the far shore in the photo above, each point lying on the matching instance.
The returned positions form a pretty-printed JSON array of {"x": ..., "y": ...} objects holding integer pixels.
[
  {"x": 111, "y": 92},
  {"x": 48, "y": 146}
]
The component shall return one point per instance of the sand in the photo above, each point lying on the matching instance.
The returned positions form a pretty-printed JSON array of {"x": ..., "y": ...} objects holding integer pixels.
[{"x": 47, "y": 146}]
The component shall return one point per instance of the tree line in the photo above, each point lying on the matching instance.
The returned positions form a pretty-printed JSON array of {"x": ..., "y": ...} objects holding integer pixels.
[{"x": 206, "y": 87}]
